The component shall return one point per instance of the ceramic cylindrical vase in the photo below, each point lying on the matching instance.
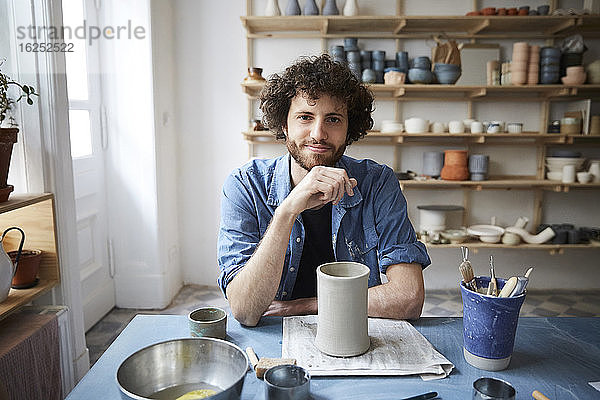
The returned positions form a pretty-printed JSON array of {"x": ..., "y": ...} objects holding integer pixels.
[
  {"x": 455, "y": 165},
  {"x": 330, "y": 8},
  {"x": 350, "y": 8},
  {"x": 272, "y": 8},
  {"x": 310, "y": 8},
  {"x": 293, "y": 8},
  {"x": 342, "y": 329}
]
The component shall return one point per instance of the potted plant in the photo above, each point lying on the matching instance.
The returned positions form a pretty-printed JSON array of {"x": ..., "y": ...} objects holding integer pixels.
[{"x": 8, "y": 127}]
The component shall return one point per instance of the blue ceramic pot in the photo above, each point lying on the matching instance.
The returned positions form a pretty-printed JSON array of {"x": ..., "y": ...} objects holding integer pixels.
[
  {"x": 330, "y": 8},
  {"x": 351, "y": 44},
  {"x": 310, "y": 8},
  {"x": 447, "y": 77},
  {"x": 378, "y": 65},
  {"x": 550, "y": 51},
  {"x": 402, "y": 59},
  {"x": 378, "y": 55},
  {"x": 417, "y": 75},
  {"x": 369, "y": 76},
  {"x": 293, "y": 8}
]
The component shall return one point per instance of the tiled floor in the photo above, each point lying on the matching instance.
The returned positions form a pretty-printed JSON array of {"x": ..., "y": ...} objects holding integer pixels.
[{"x": 437, "y": 303}]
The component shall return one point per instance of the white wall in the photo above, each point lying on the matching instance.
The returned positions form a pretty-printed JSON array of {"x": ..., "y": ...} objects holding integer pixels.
[{"x": 211, "y": 112}]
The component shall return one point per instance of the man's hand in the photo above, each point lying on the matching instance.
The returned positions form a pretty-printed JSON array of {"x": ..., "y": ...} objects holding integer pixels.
[
  {"x": 293, "y": 307},
  {"x": 319, "y": 187}
]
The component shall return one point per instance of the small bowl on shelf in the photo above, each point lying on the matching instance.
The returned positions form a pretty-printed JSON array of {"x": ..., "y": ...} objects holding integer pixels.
[
  {"x": 455, "y": 236},
  {"x": 420, "y": 76},
  {"x": 486, "y": 233},
  {"x": 554, "y": 175}
]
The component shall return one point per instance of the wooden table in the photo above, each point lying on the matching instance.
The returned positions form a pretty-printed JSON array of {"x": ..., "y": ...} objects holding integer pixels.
[{"x": 557, "y": 356}]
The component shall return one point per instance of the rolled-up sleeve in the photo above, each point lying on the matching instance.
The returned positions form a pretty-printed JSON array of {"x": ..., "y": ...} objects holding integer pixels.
[
  {"x": 239, "y": 229},
  {"x": 397, "y": 239}
]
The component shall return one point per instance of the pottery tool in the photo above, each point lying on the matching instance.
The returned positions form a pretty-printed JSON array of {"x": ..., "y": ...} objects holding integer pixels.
[
  {"x": 522, "y": 282},
  {"x": 509, "y": 287},
  {"x": 493, "y": 286},
  {"x": 261, "y": 366},
  {"x": 424, "y": 396},
  {"x": 538, "y": 395},
  {"x": 466, "y": 270}
]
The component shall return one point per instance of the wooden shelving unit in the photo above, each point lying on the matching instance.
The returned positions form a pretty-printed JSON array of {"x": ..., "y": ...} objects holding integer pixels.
[
  {"x": 551, "y": 248},
  {"x": 399, "y": 27},
  {"x": 34, "y": 213}
]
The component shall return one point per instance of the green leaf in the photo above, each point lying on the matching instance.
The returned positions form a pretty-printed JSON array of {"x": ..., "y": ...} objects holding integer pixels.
[
  {"x": 29, "y": 101},
  {"x": 26, "y": 89}
]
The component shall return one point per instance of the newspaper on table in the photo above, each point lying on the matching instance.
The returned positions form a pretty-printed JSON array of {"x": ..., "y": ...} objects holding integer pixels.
[{"x": 397, "y": 348}]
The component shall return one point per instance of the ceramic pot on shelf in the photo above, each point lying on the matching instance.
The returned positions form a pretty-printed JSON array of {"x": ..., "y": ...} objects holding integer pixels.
[
  {"x": 455, "y": 165},
  {"x": 330, "y": 8},
  {"x": 293, "y": 8},
  {"x": 350, "y": 8},
  {"x": 310, "y": 8},
  {"x": 272, "y": 8}
]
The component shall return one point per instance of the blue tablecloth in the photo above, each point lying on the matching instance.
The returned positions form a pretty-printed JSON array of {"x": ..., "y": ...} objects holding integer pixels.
[{"x": 557, "y": 356}]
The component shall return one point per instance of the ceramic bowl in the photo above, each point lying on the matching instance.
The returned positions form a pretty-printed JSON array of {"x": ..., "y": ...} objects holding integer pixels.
[
  {"x": 389, "y": 125},
  {"x": 584, "y": 177},
  {"x": 567, "y": 80},
  {"x": 447, "y": 77},
  {"x": 416, "y": 125},
  {"x": 423, "y": 76},
  {"x": 421, "y": 62},
  {"x": 456, "y": 127},
  {"x": 486, "y": 233},
  {"x": 554, "y": 175},
  {"x": 455, "y": 235}
]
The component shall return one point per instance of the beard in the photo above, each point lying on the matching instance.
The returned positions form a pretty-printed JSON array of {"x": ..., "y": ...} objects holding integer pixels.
[{"x": 307, "y": 159}]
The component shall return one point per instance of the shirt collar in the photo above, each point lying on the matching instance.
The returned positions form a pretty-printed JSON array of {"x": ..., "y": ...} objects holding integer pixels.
[{"x": 281, "y": 184}]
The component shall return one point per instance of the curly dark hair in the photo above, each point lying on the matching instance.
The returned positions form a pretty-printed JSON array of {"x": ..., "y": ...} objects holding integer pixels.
[{"x": 313, "y": 77}]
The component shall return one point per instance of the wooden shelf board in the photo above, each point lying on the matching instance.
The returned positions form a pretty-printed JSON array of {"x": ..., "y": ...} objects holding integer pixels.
[
  {"x": 398, "y": 26},
  {"x": 413, "y": 92},
  {"x": 516, "y": 183},
  {"x": 22, "y": 200},
  {"x": 18, "y": 298},
  {"x": 522, "y": 246}
]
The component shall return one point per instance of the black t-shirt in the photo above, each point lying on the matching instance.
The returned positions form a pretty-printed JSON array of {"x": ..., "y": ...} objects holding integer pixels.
[{"x": 317, "y": 250}]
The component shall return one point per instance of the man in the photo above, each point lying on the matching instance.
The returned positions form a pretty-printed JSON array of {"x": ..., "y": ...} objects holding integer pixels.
[{"x": 282, "y": 218}]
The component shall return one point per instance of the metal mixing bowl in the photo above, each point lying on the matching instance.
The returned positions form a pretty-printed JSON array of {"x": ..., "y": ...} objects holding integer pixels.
[{"x": 170, "y": 369}]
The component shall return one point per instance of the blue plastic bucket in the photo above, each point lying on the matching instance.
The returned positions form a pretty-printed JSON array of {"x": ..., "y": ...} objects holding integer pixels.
[{"x": 489, "y": 326}]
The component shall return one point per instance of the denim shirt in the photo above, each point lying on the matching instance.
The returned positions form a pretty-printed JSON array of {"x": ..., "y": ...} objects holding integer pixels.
[{"x": 371, "y": 227}]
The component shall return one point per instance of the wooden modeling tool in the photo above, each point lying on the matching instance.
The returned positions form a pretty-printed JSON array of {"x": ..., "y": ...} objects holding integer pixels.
[
  {"x": 538, "y": 395},
  {"x": 261, "y": 366},
  {"x": 493, "y": 286},
  {"x": 509, "y": 286}
]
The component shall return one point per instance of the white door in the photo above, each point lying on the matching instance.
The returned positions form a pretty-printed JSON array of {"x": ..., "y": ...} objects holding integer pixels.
[{"x": 88, "y": 145}]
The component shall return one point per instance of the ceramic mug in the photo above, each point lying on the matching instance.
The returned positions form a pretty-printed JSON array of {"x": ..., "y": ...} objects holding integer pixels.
[
  {"x": 208, "y": 322},
  {"x": 456, "y": 127},
  {"x": 568, "y": 174},
  {"x": 437, "y": 127},
  {"x": 476, "y": 127}
]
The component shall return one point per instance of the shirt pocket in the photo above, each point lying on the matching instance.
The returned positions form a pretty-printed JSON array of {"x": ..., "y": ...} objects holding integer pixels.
[{"x": 362, "y": 243}]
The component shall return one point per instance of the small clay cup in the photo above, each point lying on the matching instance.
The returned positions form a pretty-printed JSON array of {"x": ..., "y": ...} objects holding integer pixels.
[{"x": 208, "y": 322}]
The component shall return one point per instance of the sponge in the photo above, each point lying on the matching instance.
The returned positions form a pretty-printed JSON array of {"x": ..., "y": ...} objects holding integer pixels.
[{"x": 261, "y": 366}]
